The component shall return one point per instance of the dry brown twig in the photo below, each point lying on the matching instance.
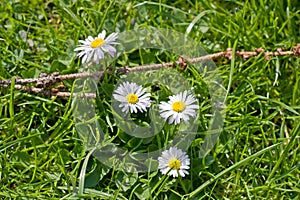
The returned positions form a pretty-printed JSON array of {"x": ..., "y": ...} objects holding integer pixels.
[{"x": 44, "y": 84}]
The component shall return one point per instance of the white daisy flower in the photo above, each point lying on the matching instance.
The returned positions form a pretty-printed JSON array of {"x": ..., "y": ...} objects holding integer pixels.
[
  {"x": 174, "y": 161},
  {"x": 180, "y": 106},
  {"x": 133, "y": 97},
  {"x": 94, "y": 48}
]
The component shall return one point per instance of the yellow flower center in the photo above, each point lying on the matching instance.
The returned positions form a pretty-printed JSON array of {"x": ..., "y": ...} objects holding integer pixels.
[
  {"x": 174, "y": 164},
  {"x": 132, "y": 98},
  {"x": 178, "y": 106},
  {"x": 97, "y": 43}
]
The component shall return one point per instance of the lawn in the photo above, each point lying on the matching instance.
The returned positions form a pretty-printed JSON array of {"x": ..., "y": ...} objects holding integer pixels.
[{"x": 183, "y": 100}]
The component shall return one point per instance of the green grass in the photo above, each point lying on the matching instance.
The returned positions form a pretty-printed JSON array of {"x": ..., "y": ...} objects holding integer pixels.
[{"x": 257, "y": 156}]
